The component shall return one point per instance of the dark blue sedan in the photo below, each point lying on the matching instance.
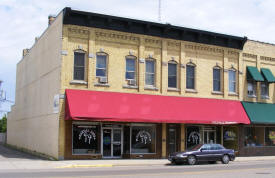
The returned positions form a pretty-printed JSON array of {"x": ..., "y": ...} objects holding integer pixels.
[{"x": 203, "y": 152}]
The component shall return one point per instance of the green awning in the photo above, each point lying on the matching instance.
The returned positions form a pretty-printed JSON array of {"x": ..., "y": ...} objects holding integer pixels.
[
  {"x": 268, "y": 75},
  {"x": 260, "y": 113},
  {"x": 254, "y": 74}
]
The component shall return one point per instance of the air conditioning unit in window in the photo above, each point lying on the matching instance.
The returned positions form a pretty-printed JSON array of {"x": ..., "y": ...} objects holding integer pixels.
[
  {"x": 102, "y": 80},
  {"x": 250, "y": 93},
  {"x": 131, "y": 82}
]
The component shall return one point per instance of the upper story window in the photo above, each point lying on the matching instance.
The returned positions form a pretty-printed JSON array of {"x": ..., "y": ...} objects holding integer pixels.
[
  {"x": 264, "y": 90},
  {"x": 190, "y": 76},
  {"x": 172, "y": 74},
  {"x": 130, "y": 68},
  {"x": 101, "y": 65},
  {"x": 251, "y": 88},
  {"x": 232, "y": 80},
  {"x": 216, "y": 79},
  {"x": 150, "y": 72},
  {"x": 79, "y": 66}
]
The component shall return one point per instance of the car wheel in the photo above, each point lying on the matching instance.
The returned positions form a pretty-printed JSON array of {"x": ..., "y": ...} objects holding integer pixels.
[
  {"x": 192, "y": 160},
  {"x": 225, "y": 159}
]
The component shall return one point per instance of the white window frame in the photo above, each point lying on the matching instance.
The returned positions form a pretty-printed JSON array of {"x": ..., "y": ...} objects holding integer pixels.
[
  {"x": 251, "y": 83},
  {"x": 174, "y": 63},
  {"x": 106, "y": 69},
  {"x": 82, "y": 52},
  {"x": 150, "y": 59},
  {"x": 265, "y": 95},
  {"x": 234, "y": 82},
  {"x": 135, "y": 71}
]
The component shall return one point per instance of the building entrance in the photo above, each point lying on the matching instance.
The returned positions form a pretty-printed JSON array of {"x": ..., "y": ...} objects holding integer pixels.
[{"x": 112, "y": 141}]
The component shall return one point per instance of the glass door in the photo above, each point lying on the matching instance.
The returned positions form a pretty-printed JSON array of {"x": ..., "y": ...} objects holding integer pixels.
[
  {"x": 107, "y": 142},
  {"x": 112, "y": 142},
  {"x": 117, "y": 142},
  {"x": 172, "y": 137},
  {"x": 209, "y": 136}
]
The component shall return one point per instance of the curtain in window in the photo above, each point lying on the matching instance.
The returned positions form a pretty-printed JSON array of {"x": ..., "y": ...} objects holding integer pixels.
[
  {"x": 264, "y": 89},
  {"x": 190, "y": 77},
  {"x": 216, "y": 79},
  {"x": 172, "y": 75},
  {"x": 79, "y": 66},
  {"x": 232, "y": 81},
  {"x": 150, "y": 72},
  {"x": 101, "y": 63},
  {"x": 130, "y": 68}
]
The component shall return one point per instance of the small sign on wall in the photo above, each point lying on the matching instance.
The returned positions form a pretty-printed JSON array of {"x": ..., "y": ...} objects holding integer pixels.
[{"x": 56, "y": 104}]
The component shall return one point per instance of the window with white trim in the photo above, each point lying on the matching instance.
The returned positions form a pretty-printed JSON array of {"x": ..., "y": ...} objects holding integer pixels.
[
  {"x": 172, "y": 74},
  {"x": 79, "y": 66},
  {"x": 130, "y": 73},
  {"x": 216, "y": 79},
  {"x": 150, "y": 73},
  {"x": 264, "y": 90},
  {"x": 101, "y": 65},
  {"x": 232, "y": 80},
  {"x": 190, "y": 76},
  {"x": 251, "y": 88}
]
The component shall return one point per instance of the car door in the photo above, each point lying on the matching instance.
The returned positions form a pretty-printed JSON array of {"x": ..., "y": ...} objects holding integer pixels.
[{"x": 205, "y": 153}]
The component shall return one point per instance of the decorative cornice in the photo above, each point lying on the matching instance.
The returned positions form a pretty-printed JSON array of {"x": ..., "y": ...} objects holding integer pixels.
[
  {"x": 153, "y": 42},
  {"x": 264, "y": 58},
  {"x": 252, "y": 56},
  {"x": 174, "y": 45},
  {"x": 78, "y": 31},
  {"x": 233, "y": 53},
  {"x": 204, "y": 48},
  {"x": 116, "y": 36}
]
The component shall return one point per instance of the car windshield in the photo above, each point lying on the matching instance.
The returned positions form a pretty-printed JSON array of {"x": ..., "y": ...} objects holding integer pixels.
[{"x": 195, "y": 147}]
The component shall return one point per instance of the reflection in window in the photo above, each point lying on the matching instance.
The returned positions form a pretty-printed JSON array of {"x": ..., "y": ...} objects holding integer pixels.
[
  {"x": 86, "y": 139},
  {"x": 143, "y": 139},
  {"x": 232, "y": 81},
  {"x": 264, "y": 90},
  {"x": 254, "y": 136},
  {"x": 101, "y": 65},
  {"x": 190, "y": 76},
  {"x": 270, "y": 136},
  {"x": 251, "y": 88},
  {"x": 130, "y": 68},
  {"x": 150, "y": 72},
  {"x": 79, "y": 66},
  {"x": 172, "y": 75},
  {"x": 216, "y": 79}
]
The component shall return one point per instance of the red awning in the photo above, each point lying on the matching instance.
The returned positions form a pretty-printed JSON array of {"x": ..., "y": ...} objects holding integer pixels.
[{"x": 127, "y": 107}]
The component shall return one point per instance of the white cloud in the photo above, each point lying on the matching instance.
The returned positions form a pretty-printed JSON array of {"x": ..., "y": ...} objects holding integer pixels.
[{"x": 23, "y": 20}]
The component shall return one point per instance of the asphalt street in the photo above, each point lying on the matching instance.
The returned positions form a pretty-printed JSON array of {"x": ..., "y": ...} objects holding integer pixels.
[{"x": 15, "y": 164}]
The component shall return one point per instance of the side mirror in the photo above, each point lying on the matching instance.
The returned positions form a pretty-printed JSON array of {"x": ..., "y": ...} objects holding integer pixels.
[{"x": 202, "y": 149}]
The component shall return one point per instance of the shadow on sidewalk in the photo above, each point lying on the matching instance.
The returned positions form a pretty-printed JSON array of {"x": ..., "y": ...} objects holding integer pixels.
[{"x": 7, "y": 152}]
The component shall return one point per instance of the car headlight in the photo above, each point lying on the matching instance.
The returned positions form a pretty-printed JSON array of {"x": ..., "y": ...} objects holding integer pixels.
[{"x": 181, "y": 155}]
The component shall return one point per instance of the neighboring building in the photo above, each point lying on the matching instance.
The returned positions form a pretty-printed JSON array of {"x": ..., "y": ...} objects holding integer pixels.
[{"x": 97, "y": 86}]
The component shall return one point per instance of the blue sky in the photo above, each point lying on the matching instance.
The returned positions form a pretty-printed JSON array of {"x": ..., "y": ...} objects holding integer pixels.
[{"x": 23, "y": 20}]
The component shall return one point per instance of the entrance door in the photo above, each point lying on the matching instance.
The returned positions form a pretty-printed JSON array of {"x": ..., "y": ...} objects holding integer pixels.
[
  {"x": 112, "y": 142},
  {"x": 209, "y": 136},
  {"x": 172, "y": 138}
]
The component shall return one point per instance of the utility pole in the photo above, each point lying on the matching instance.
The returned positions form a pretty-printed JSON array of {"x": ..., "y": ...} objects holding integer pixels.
[{"x": 3, "y": 97}]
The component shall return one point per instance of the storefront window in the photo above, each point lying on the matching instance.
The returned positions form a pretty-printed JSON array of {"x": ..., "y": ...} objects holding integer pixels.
[
  {"x": 143, "y": 139},
  {"x": 86, "y": 139},
  {"x": 270, "y": 136},
  {"x": 230, "y": 137},
  {"x": 254, "y": 136},
  {"x": 193, "y": 136}
]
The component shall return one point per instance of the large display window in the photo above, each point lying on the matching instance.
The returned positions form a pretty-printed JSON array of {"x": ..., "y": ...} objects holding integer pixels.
[
  {"x": 254, "y": 136},
  {"x": 86, "y": 139},
  {"x": 143, "y": 139},
  {"x": 270, "y": 136},
  {"x": 230, "y": 137},
  {"x": 193, "y": 136}
]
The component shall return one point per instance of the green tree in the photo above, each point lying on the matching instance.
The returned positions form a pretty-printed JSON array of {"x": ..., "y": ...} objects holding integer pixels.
[{"x": 3, "y": 124}]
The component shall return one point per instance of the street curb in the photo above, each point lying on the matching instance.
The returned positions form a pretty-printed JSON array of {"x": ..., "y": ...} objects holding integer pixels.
[{"x": 85, "y": 166}]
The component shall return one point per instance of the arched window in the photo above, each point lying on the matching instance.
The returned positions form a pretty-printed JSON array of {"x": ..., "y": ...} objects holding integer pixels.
[
  {"x": 190, "y": 76},
  {"x": 150, "y": 72},
  {"x": 216, "y": 78},
  {"x": 79, "y": 65},
  {"x": 172, "y": 74},
  {"x": 232, "y": 80}
]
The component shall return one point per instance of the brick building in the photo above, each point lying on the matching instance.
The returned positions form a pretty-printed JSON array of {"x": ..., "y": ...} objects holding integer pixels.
[{"x": 98, "y": 86}]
